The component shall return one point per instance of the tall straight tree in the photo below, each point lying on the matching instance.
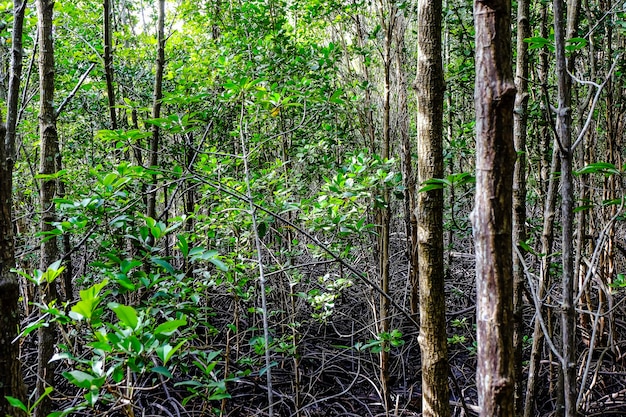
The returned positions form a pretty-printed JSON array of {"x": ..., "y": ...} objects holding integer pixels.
[
  {"x": 11, "y": 382},
  {"x": 564, "y": 136},
  {"x": 494, "y": 97},
  {"x": 429, "y": 86},
  {"x": 387, "y": 13},
  {"x": 156, "y": 107},
  {"x": 49, "y": 141},
  {"x": 520, "y": 118},
  {"x": 108, "y": 60}
]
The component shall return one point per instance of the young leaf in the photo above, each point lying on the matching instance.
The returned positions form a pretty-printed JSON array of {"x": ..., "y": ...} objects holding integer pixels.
[
  {"x": 183, "y": 245},
  {"x": 126, "y": 314},
  {"x": 166, "y": 351},
  {"x": 15, "y": 402},
  {"x": 169, "y": 327}
]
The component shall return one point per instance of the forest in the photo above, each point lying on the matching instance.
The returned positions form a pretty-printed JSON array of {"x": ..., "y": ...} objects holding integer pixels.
[{"x": 306, "y": 208}]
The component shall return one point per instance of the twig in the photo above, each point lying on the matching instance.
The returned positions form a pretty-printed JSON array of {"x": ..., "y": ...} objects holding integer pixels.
[{"x": 75, "y": 90}]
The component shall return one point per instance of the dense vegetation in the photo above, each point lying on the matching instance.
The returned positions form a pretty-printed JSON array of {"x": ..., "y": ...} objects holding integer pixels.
[{"x": 222, "y": 221}]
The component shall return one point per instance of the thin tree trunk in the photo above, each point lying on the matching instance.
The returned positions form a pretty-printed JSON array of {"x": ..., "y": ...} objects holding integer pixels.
[
  {"x": 11, "y": 381},
  {"x": 369, "y": 129},
  {"x": 156, "y": 108},
  {"x": 408, "y": 174},
  {"x": 68, "y": 272},
  {"x": 108, "y": 61},
  {"x": 492, "y": 214},
  {"x": 430, "y": 88},
  {"x": 520, "y": 118},
  {"x": 49, "y": 149},
  {"x": 547, "y": 240},
  {"x": 563, "y": 130},
  {"x": 550, "y": 165},
  {"x": 384, "y": 213}
]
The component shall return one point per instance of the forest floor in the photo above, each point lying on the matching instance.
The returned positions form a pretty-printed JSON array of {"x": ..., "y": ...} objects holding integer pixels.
[{"x": 329, "y": 373}]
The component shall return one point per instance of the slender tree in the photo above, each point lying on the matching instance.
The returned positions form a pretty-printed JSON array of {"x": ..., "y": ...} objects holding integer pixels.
[
  {"x": 564, "y": 136},
  {"x": 550, "y": 165},
  {"x": 492, "y": 215},
  {"x": 108, "y": 60},
  {"x": 520, "y": 118},
  {"x": 156, "y": 107},
  {"x": 387, "y": 12},
  {"x": 11, "y": 382},
  {"x": 429, "y": 86},
  {"x": 49, "y": 148}
]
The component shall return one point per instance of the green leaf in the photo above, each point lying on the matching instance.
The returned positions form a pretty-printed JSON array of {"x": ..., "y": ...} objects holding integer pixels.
[
  {"x": 89, "y": 301},
  {"x": 166, "y": 351},
  {"x": 575, "y": 44},
  {"x": 538, "y": 42},
  {"x": 31, "y": 327},
  {"x": 183, "y": 245},
  {"x": 526, "y": 247},
  {"x": 169, "y": 327},
  {"x": 219, "y": 264},
  {"x": 80, "y": 379},
  {"x": 605, "y": 168},
  {"x": 336, "y": 97},
  {"x": 126, "y": 314},
  {"x": 16, "y": 403},
  {"x": 219, "y": 396},
  {"x": 46, "y": 393},
  {"x": 162, "y": 370},
  {"x": 265, "y": 368},
  {"x": 430, "y": 187},
  {"x": 583, "y": 208},
  {"x": 163, "y": 264},
  {"x": 434, "y": 184}
]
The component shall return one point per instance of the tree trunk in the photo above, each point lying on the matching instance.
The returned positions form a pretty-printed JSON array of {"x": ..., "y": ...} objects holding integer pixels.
[
  {"x": 11, "y": 381},
  {"x": 408, "y": 175},
  {"x": 492, "y": 214},
  {"x": 384, "y": 213},
  {"x": 429, "y": 85},
  {"x": 520, "y": 118},
  {"x": 49, "y": 150},
  {"x": 156, "y": 108},
  {"x": 108, "y": 61},
  {"x": 550, "y": 165},
  {"x": 563, "y": 131}
]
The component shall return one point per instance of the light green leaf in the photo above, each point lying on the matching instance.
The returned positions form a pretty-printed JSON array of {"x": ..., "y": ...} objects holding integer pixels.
[
  {"x": 166, "y": 351},
  {"x": 183, "y": 245},
  {"x": 169, "y": 327},
  {"x": 16, "y": 403},
  {"x": 126, "y": 314}
]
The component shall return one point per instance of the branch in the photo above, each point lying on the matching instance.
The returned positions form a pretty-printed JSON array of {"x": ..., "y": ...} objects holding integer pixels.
[
  {"x": 75, "y": 90},
  {"x": 600, "y": 87}
]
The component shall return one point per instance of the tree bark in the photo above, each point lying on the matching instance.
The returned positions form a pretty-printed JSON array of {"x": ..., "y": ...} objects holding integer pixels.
[
  {"x": 108, "y": 61},
  {"x": 520, "y": 120},
  {"x": 550, "y": 165},
  {"x": 383, "y": 214},
  {"x": 563, "y": 130},
  {"x": 156, "y": 108},
  {"x": 11, "y": 380},
  {"x": 49, "y": 149},
  {"x": 492, "y": 214},
  {"x": 429, "y": 85}
]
